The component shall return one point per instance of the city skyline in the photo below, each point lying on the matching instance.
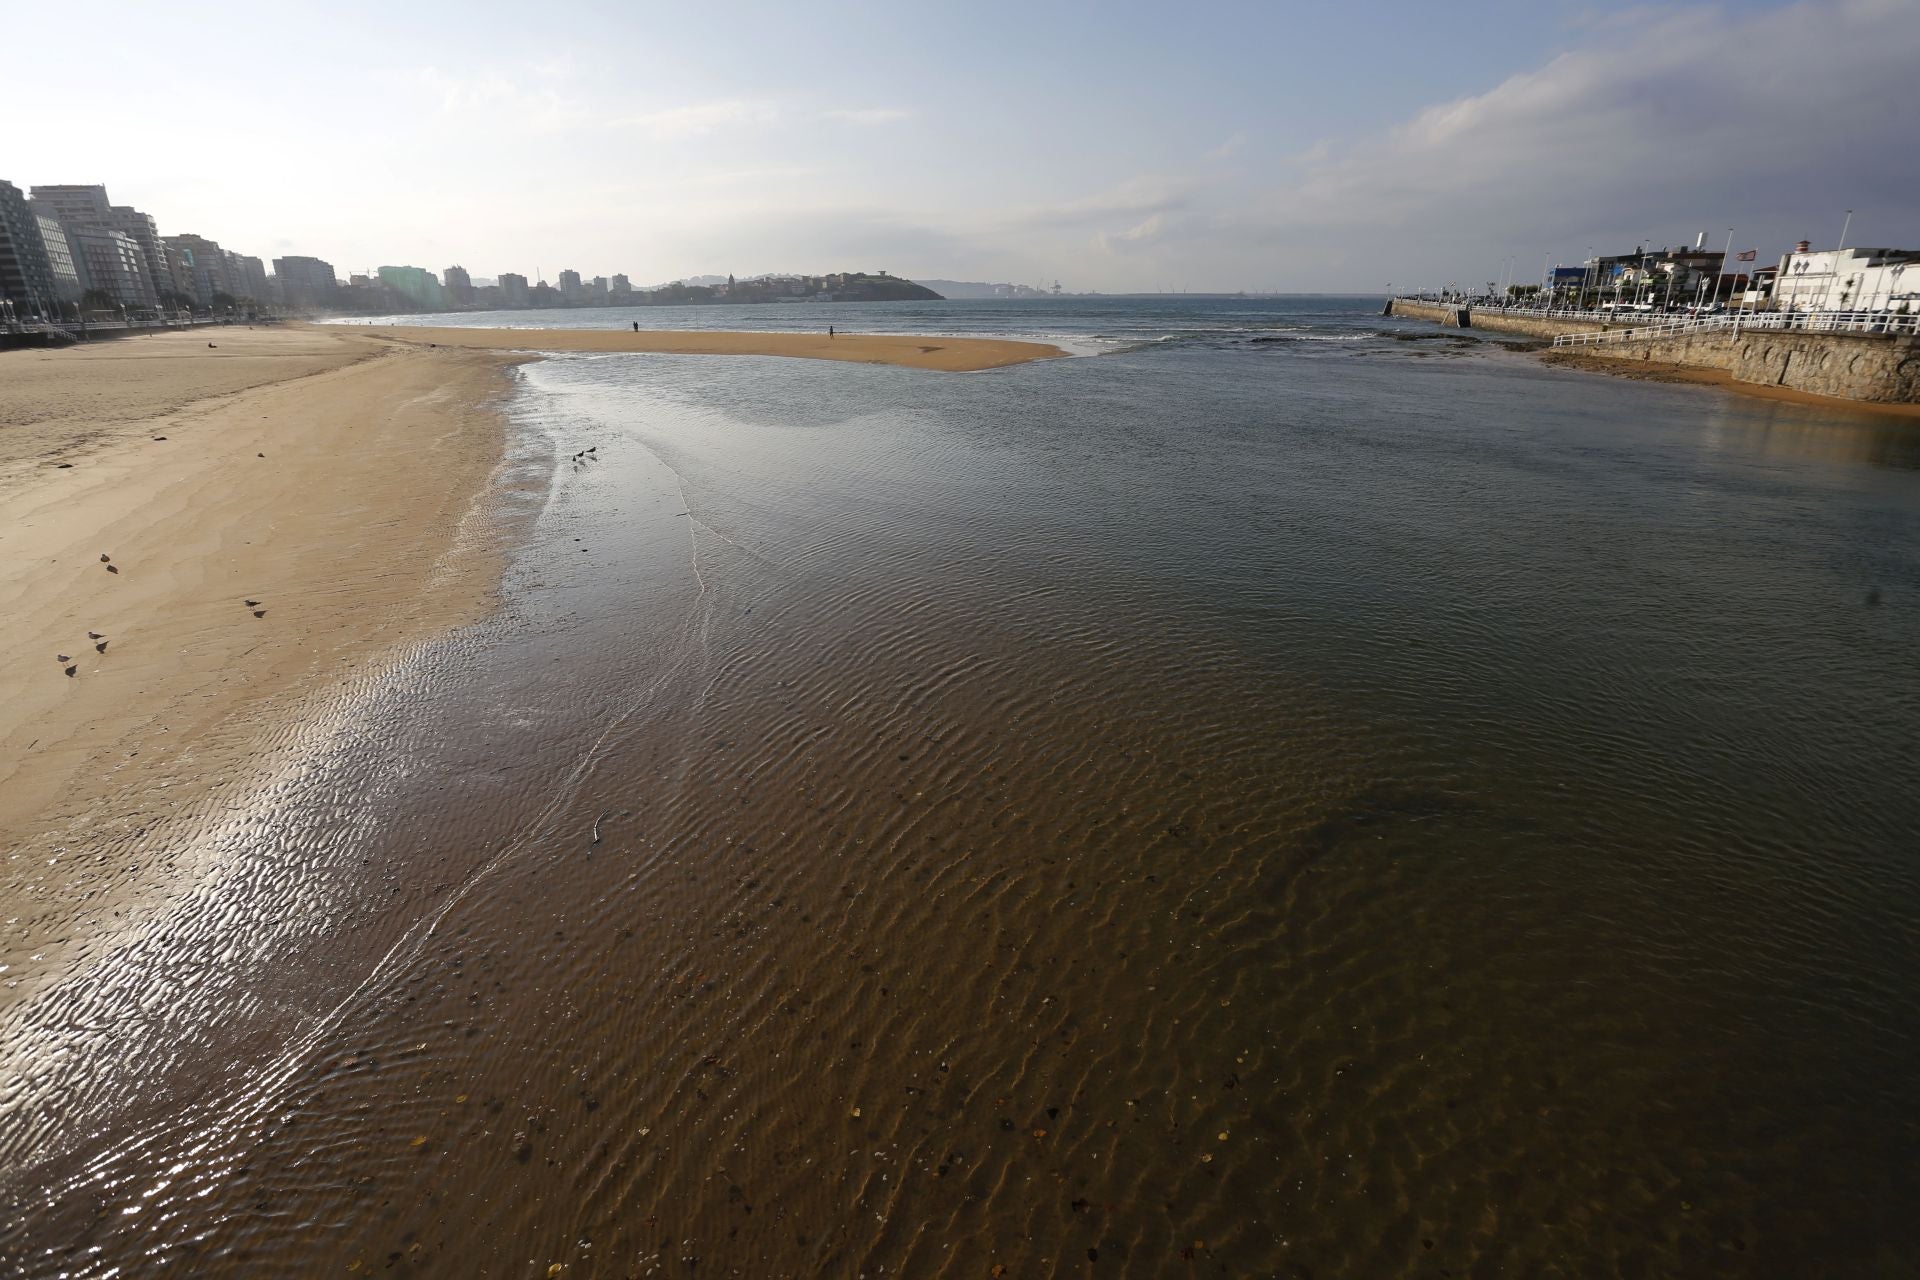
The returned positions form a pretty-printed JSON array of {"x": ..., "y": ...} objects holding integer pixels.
[{"x": 1116, "y": 147}]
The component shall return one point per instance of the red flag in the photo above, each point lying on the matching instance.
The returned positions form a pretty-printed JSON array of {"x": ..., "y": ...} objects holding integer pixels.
[{"x": 1748, "y": 256}]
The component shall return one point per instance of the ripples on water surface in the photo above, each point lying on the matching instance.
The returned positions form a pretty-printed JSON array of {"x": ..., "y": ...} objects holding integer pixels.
[{"x": 1359, "y": 808}]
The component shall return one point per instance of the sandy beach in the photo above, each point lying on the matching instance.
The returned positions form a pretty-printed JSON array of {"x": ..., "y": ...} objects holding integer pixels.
[
  {"x": 948, "y": 355},
  {"x": 154, "y": 486}
]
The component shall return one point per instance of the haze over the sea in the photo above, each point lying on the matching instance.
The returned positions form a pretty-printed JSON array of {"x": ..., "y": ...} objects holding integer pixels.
[{"x": 1112, "y": 146}]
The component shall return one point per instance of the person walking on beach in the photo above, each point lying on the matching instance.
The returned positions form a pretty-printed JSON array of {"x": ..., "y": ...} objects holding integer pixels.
[
  {"x": 636, "y": 326},
  {"x": 829, "y": 331}
]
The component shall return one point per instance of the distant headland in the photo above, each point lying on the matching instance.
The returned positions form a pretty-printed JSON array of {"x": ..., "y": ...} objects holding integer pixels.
[
  {"x": 402, "y": 289},
  {"x": 843, "y": 286}
]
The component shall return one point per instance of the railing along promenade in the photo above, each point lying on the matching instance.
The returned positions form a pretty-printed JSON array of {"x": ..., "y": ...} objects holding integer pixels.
[
  {"x": 80, "y": 330},
  {"x": 1539, "y": 313},
  {"x": 1878, "y": 322},
  {"x": 1529, "y": 313}
]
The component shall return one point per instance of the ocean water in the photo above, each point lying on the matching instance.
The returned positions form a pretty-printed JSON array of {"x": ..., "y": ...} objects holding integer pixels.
[{"x": 1295, "y": 793}]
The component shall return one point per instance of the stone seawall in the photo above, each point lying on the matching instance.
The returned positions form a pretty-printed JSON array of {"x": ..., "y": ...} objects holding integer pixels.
[
  {"x": 1850, "y": 366},
  {"x": 1536, "y": 326},
  {"x": 1873, "y": 368}
]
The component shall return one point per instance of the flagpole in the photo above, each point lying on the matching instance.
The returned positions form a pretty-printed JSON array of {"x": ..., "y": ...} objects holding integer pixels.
[
  {"x": 1826, "y": 291},
  {"x": 1723, "y": 269}
]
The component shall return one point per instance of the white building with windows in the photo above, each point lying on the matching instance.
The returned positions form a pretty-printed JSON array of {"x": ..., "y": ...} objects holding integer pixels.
[
  {"x": 67, "y": 282},
  {"x": 114, "y": 264},
  {"x": 1848, "y": 280}
]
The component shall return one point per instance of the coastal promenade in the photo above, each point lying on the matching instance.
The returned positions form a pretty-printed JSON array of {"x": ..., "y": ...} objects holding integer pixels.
[
  {"x": 1871, "y": 360},
  {"x": 41, "y": 333},
  {"x": 1525, "y": 324}
]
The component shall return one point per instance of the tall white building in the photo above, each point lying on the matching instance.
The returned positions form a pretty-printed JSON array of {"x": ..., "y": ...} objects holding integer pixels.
[
  {"x": 1848, "y": 280},
  {"x": 68, "y": 284},
  {"x": 85, "y": 207},
  {"x": 26, "y": 284},
  {"x": 146, "y": 233}
]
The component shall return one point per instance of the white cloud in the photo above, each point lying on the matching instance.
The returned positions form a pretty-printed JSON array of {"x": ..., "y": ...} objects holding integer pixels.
[
  {"x": 1226, "y": 149},
  {"x": 494, "y": 99},
  {"x": 1143, "y": 232},
  {"x": 702, "y": 118},
  {"x": 1137, "y": 197},
  {"x": 868, "y": 115}
]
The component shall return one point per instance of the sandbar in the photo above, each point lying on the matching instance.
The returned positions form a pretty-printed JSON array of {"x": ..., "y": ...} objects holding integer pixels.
[{"x": 914, "y": 351}]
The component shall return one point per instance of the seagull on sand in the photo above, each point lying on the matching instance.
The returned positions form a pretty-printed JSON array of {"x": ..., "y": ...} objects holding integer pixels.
[
  {"x": 96, "y": 635},
  {"x": 251, "y": 604},
  {"x": 104, "y": 557},
  {"x": 61, "y": 657}
]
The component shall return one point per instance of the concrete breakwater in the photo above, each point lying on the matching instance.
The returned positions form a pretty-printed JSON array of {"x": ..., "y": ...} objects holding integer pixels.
[
  {"x": 1444, "y": 313},
  {"x": 1873, "y": 368},
  {"x": 1456, "y": 316}
]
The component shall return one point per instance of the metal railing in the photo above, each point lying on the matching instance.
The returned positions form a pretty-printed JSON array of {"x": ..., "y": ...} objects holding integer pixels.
[
  {"x": 1542, "y": 313},
  {"x": 1623, "y": 313},
  {"x": 1874, "y": 322},
  {"x": 75, "y": 330}
]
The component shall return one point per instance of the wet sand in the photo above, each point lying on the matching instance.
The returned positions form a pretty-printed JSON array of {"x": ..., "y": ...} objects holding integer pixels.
[
  {"x": 328, "y": 476},
  {"x": 949, "y": 355},
  {"x": 1661, "y": 371},
  {"x": 329, "y": 473}
]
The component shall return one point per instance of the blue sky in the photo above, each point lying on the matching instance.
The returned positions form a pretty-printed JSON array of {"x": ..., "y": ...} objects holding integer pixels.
[{"x": 1110, "y": 145}]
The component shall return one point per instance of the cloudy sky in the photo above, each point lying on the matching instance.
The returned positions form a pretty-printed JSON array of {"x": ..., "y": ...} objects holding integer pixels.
[{"x": 1111, "y": 146}]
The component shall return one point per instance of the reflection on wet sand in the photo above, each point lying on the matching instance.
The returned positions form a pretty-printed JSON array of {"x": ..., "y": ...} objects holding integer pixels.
[{"x": 1835, "y": 438}]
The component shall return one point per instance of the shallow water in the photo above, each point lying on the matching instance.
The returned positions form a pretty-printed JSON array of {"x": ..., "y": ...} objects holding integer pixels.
[{"x": 1353, "y": 808}]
